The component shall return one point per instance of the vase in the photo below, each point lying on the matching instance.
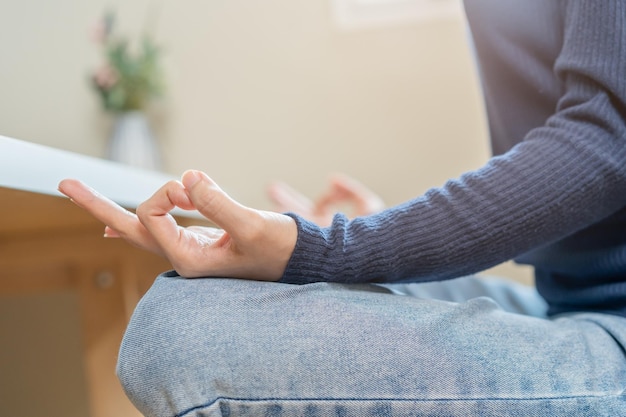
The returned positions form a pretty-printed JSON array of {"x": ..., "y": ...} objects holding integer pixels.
[{"x": 133, "y": 143}]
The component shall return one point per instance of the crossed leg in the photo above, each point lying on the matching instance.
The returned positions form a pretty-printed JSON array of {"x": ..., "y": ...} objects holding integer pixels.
[{"x": 222, "y": 347}]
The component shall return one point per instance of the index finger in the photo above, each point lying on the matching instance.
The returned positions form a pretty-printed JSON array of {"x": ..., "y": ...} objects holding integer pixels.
[{"x": 154, "y": 214}]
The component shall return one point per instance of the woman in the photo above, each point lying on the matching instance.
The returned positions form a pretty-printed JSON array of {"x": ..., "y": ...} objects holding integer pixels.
[{"x": 553, "y": 196}]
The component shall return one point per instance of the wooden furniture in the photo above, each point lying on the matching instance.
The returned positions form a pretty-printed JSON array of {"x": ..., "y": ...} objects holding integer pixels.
[{"x": 49, "y": 244}]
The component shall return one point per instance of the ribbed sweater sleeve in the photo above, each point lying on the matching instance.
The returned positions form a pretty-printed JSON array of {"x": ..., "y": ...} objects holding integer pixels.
[{"x": 562, "y": 177}]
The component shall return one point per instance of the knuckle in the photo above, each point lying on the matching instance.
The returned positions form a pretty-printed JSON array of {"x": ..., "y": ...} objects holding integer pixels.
[
  {"x": 142, "y": 210},
  {"x": 211, "y": 200}
]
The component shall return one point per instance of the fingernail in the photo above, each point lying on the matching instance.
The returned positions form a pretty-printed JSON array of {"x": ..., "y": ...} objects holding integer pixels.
[{"x": 191, "y": 178}]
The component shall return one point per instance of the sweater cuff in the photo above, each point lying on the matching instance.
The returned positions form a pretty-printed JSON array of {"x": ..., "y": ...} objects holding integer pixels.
[{"x": 305, "y": 265}]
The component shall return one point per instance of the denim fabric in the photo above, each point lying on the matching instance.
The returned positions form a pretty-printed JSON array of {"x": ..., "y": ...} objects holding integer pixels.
[{"x": 224, "y": 347}]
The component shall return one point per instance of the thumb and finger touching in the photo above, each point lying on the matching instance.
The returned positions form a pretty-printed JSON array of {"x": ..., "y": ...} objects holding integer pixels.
[
  {"x": 344, "y": 189},
  {"x": 214, "y": 204},
  {"x": 253, "y": 244}
]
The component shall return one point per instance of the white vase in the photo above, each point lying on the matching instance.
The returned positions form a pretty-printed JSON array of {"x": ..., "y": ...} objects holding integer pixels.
[{"x": 133, "y": 143}]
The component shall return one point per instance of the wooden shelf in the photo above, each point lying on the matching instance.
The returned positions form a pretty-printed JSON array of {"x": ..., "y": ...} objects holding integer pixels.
[{"x": 49, "y": 244}]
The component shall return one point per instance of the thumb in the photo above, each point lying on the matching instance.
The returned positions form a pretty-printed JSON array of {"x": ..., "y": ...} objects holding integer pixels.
[{"x": 213, "y": 203}]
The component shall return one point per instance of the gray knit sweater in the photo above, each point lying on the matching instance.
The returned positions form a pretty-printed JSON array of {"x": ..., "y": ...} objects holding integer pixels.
[{"x": 554, "y": 194}]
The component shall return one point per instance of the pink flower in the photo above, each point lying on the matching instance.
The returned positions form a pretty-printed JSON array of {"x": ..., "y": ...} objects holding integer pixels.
[{"x": 105, "y": 77}]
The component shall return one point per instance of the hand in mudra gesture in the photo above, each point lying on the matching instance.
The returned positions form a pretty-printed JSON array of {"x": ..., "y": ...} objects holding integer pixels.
[
  {"x": 342, "y": 191},
  {"x": 249, "y": 243}
]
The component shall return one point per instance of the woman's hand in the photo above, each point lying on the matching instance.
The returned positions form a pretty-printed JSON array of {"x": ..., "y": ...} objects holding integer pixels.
[
  {"x": 250, "y": 243},
  {"x": 342, "y": 191}
]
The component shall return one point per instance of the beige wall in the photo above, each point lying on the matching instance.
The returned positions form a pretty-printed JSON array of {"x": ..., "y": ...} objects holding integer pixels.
[{"x": 259, "y": 90}]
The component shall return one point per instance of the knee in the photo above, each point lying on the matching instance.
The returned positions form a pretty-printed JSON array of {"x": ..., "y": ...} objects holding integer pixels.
[
  {"x": 146, "y": 349},
  {"x": 164, "y": 361}
]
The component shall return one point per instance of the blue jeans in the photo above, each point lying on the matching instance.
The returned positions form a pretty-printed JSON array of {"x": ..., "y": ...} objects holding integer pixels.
[{"x": 466, "y": 347}]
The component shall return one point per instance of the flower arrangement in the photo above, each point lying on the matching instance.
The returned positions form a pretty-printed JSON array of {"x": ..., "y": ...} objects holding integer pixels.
[{"x": 130, "y": 78}]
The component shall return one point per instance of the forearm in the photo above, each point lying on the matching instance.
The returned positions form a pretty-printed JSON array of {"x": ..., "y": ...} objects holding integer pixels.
[
  {"x": 541, "y": 191},
  {"x": 560, "y": 178}
]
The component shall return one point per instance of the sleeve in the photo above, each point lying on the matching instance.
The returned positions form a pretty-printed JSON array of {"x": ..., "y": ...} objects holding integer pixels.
[{"x": 564, "y": 176}]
